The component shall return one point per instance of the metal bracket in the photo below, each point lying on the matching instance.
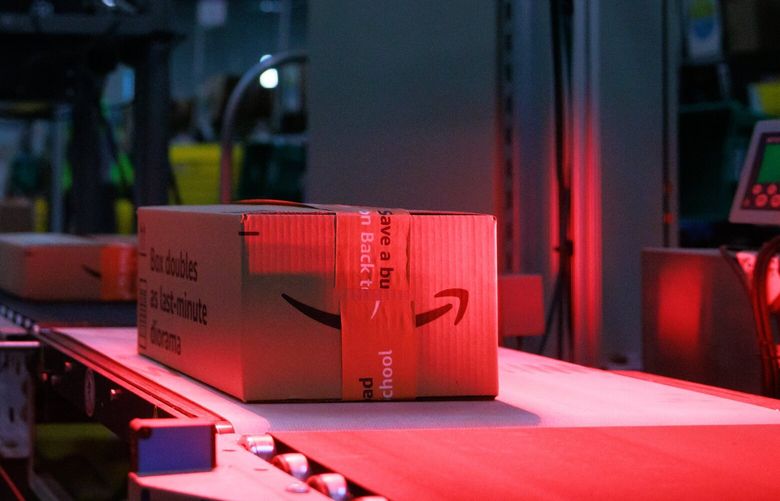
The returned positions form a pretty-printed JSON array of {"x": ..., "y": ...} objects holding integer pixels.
[{"x": 16, "y": 398}]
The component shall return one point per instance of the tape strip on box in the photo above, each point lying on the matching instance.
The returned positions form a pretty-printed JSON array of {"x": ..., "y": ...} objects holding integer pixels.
[
  {"x": 379, "y": 349},
  {"x": 118, "y": 271}
]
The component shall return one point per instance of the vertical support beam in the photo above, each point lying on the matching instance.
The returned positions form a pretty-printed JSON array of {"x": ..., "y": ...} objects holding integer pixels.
[
  {"x": 587, "y": 179},
  {"x": 507, "y": 178},
  {"x": 536, "y": 211},
  {"x": 618, "y": 168},
  {"x": 533, "y": 146},
  {"x": 151, "y": 128},
  {"x": 90, "y": 212},
  {"x": 285, "y": 23},
  {"x": 672, "y": 42},
  {"x": 59, "y": 144}
]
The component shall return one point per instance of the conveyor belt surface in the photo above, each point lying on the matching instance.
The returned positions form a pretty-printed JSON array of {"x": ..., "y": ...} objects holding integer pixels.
[
  {"x": 647, "y": 462},
  {"x": 534, "y": 391}
]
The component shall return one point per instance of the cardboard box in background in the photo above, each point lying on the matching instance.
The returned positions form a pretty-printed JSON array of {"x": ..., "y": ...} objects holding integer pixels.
[
  {"x": 16, "y": 215},
  {"x": 751, "y": 26},
  {"x": 58, "y": 267},
  {"x": 118, "y": 266},
  {"x": 320, "y": 302}
]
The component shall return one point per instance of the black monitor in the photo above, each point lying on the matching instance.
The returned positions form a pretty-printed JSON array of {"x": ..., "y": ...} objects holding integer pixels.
[{"x": 757, "y": 200}]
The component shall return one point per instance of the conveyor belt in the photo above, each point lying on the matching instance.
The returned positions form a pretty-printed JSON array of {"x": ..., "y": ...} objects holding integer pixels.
[
  {"x": 58, "y": 314},
  {"x": 557, "y": 430},
  {"x": 534, "y": 392},
  {"x": 174, "y": 403}
]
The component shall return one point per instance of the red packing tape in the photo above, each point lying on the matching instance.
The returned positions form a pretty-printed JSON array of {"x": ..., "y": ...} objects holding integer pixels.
[{"x": 379, "y": 348}]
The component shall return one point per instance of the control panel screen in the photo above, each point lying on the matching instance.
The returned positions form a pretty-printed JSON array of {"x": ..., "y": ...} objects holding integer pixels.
[
  {"x": 769, "y": 170},
  {"x": 757, "y": 200}
]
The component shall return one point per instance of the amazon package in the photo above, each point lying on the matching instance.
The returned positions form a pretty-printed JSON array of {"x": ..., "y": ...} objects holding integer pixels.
[
  {"x": 320, "y": 302},
  {"x": 59, "y": 267}
]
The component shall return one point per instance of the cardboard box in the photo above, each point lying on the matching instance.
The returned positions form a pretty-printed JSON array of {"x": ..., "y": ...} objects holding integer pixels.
[
  {"x": 751, "y": 26},
  {"x": 320, "y": 302},
  {"x": 16, "y": 214},
  {"x": 58, "y": 267}
]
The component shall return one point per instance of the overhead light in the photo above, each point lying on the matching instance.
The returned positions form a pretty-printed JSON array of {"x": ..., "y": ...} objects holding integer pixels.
[{"x": 269, "y": 79}]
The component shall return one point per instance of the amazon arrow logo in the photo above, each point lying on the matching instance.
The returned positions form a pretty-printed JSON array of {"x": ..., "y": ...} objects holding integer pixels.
[
  {"x": 426, "y": 317},
  {"x": 91, "y": 271}
]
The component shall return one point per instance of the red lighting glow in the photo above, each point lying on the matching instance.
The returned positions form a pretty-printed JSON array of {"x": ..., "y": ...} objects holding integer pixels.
[{"x": 680, "y": 295}]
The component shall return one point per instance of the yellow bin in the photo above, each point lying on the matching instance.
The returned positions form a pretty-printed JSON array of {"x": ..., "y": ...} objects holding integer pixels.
[{"x": 196, "y": 170}]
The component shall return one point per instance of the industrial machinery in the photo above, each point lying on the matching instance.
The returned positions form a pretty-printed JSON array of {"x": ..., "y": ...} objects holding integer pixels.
[
  {"x": 709, "y": 319},
  {"x": 555, "y": 430},
  {"x": 62, "y": 53},
  {"x": 757, "y": 200}
]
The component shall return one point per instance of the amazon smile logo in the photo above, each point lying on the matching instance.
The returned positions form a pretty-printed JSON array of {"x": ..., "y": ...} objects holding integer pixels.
[
  {"x": 91, "y": 271},
  {"x": 426, "y": 317}
]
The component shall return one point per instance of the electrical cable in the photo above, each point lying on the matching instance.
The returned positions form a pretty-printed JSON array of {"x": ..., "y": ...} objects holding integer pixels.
[
  {"x": 234, "y": 101},
  {"x": 770, "y": 372},
  {"x": 11, "y": 485},
  {"x": 560, "y": 303}
]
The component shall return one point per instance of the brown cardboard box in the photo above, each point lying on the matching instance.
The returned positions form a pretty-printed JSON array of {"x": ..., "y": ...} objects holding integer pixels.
[
  {"x": 751, "y": 25},
  {"x": 58, "y": 267},
  {"x": 320, "y": 302},
  {"x": 16, "y": 214}
]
